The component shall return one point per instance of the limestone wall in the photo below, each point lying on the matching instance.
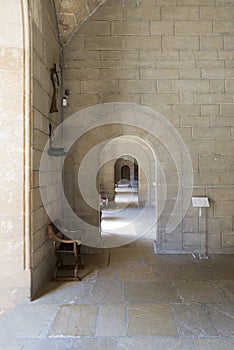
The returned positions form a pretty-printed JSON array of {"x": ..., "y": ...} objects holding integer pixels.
[
  {"x": 177, "y": 58},
  {"x": 14, "y": 284},
  {"x": 46, "y": 51}
]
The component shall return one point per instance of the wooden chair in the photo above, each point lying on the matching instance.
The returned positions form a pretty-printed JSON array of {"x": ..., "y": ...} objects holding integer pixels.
[{"x": 62, "y": 245}]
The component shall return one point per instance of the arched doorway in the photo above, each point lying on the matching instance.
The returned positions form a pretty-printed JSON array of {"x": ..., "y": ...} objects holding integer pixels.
[{"x": 125, "y": 173}]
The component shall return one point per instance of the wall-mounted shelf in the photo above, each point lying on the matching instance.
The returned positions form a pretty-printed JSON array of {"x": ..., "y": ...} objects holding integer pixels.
[{"x": 56, "y": 152}]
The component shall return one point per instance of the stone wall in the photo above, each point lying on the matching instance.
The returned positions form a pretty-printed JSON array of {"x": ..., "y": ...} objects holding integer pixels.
[
  {"x": 46, "y": 51},
  {"x": 177, "y": 58},
  {"x": 14, "y": 284}
]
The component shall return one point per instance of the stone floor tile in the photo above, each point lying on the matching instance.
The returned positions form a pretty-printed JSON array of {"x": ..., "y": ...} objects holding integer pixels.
[
  {"x": 193, "y": 320},
  {"x": 100, "y": 260},
  {"x": 94, "y": 344},
  {"x": 200, "y": 292},
  {"x": 125, "y": 258},
  {"x": 158, "y": 292},
  {"x": 36, "y": 344},
  {"x": 190, "y": 273},
  {"x": 221, "y": 259},
  {"x": 106, "y": 274},
  {"x": 224, "y": 272},
  {"x": 223, "y": 317},
  {"x": 11, "y": 343},
  {"x": 156, "y": 343},
  {"x": 65, "y": 293},
  {"x": 183, "y": 273},
  {"x": 215, "y": 343},
  {"x": 28, "y": 321},
  {"x": 150, "y": 258},
  {"x": 111, "y": 321},
  {"x": 228, "y": 289},
  {"x": 150, "y": 319},
  {"x": 88, "y": 274},
  {"x": 74, "y": 321},
  {"x": 136, "y": 274},
  {"x": 106, "y": 293}
]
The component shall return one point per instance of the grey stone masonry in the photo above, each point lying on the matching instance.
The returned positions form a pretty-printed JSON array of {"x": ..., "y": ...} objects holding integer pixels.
[{"x": 176, "y": 58}]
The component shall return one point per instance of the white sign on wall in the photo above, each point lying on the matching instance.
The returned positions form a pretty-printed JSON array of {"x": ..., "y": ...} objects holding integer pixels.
[{"x": 200, "y": 202}]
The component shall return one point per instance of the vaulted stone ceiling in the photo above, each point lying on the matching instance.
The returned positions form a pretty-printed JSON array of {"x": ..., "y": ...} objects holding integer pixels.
[{"x": 72, "y": 13}]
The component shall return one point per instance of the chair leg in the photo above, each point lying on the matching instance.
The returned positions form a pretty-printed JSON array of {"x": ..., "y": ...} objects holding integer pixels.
[
  {"x": 56, "y": 267},
  {"x": 76, "y": 270}
]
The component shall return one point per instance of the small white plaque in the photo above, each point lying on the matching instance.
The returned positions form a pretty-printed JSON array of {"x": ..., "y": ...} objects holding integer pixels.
[{"x": 200, "y": 202}]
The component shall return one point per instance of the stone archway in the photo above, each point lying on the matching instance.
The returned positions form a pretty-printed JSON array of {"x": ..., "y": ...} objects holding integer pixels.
[{"x": 125, "y": 173}]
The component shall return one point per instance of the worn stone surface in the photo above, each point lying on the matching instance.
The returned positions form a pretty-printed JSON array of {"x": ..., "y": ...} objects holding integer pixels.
[
  {"x": 193, "y": 320},
  {"x": 109, "y": 314},
  {"x": 158, "y": 292},
  {"x": 215, "y": 344},
  {"x": 223, "y": 317},
  {"x": 150, "y": 342},
  {"x": 200, "y": 292},
  {"x": 118, "y": 324},
  {"x": 75, "y": 320},
  {"x": 150, "y": 320}
]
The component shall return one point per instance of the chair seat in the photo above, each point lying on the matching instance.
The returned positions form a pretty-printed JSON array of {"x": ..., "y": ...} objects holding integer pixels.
[{"x": 66, "y": 247}]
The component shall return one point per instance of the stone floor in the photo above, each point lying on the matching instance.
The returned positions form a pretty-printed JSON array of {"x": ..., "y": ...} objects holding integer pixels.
[{"x": 129, "y": 298}]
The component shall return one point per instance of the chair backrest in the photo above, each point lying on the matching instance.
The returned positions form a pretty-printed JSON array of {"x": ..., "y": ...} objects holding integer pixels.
[{"x": 52, "y": 231}]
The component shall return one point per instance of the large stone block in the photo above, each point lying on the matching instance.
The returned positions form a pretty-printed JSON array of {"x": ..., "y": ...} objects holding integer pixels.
[
  {"x": 143, "y": 43},
  {"x": 161, "y": 27},
  {"x": 210, "y": 63},
  {"x": 218, "y": 73},
  {"x": 229, "y": 42},
  {"x": 217, "y": 12},
  {"x": 212, "y": 132},
  {"x": 214, "y": 98},
  {"x": 226, "y": 178},
  {"x": 108, "y": 13},
  {"x": 141, "y": 86},
  {"x": 103, "y": 43},
  {"x": 224, "y": 208},
  {"x": 91, "y": 28},
  {"x": 217, "y": 86},
  {"x": 227, "y": 109},
  {"x": 210, "y": 110},
  {"x": 193, "y": 27},
  {"x": 130, "y": 28},
  {"x": 98, "y": 86},
  {"x": 152, "y": 99},
  {"x": 195, "y": 121},
  {"x": 223, "y": 27},
  {"x": 120, "y": 97},
  {"x": 84, "y": 99},
  {"x": 216, "y": 162},
  {"x": 201, "y": 146},
  {"x": 208, "y": 179},
  {"x": 146, "y": 13},
  {"x": 164, "y": 86},
  {"x": 179, "y": 42},
  {"x": 191, "y": 86},
  {"x": 190, "y": 73},
  {"x": 180, "y": 13},
  {"x": 222, "y": 121},
  {"x": 184, "y": 110},
  {"x": 120, "y": 73},
  {"x": 211, "y": 42},
  {"x": 157, "y": 73}
]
